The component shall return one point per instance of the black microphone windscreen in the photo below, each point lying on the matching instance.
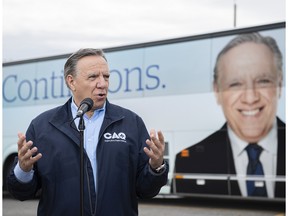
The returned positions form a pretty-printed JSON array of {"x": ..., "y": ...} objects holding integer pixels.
[{"x": 89, "y": 103}]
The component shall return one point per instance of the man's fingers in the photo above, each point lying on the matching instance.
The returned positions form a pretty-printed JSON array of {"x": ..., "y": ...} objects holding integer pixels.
[
  {"x": 156, "y": 144},
  {"x": 158, "y": 141},
  {"x": 148, "y": 152},
  {"x": 28, "y": 160},
  {"x": 37, "y": 157},
  {"x": 21, "y": 140},
  {"x": 34, "y": 159},
  {"x": 161, "y": 137},
  {"x": 24, "y": 149},
  {"x": 155, "y": 149},
  {"x": 27, "y": 155}
]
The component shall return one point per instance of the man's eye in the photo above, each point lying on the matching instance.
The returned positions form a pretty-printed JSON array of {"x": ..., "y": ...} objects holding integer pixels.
[
  {"x": 234, "y": 85},
  {"x": 263, "y": 83}
]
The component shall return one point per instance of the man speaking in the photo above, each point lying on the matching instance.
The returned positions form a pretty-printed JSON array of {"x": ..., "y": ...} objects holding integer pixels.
[{"x": 122, "y": 161}]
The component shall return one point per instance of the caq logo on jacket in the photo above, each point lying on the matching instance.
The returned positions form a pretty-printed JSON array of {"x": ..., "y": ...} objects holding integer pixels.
[{"x": 115, "y": 137}]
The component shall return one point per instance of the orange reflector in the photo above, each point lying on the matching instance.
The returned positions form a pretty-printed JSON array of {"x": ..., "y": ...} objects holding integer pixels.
[
  {"x": 185, "y": 153},
  {"x": 179, "y": 177}
]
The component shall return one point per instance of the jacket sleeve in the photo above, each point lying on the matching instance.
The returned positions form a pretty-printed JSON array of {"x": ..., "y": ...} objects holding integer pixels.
[
  {"x": 148, "y": 184},
  {"x": 19, "y": 190}
]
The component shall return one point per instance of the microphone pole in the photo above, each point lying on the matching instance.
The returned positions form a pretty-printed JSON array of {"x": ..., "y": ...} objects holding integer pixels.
[
  {"x": 81, "y": 128},
  {"x": 85, "y": 106}
]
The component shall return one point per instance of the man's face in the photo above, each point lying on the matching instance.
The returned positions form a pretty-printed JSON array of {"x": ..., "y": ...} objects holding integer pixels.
[
  {"x": 248, "y": 89},
  {"x": 92, "y": 80}
]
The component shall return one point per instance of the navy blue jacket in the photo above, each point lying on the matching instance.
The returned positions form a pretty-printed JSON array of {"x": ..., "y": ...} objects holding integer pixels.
[{"x": 123, "y": 173}]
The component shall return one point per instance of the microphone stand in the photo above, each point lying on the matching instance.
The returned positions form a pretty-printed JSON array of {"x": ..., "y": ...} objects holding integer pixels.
[{"x": 81, "y": 128}]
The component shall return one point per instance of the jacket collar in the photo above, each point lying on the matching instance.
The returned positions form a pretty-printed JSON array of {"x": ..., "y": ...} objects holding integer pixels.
[{"x": 62, "y": 120}]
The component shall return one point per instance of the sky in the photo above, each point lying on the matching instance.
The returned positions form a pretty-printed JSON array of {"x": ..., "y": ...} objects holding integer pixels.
[{"x": 43, "y": 28}]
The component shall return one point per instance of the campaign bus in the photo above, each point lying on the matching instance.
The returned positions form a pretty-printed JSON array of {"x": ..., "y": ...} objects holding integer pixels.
[{"x": 169, "y": 83}]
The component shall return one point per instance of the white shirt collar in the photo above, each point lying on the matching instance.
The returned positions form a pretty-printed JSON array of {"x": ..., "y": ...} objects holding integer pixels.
[
  {"x": 74, "y": 109},
  {"x": 267, "y": 143}
]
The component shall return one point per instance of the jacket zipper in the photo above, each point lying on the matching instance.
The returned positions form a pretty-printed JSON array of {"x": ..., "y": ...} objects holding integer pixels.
[{"x": 100, "y": 136}]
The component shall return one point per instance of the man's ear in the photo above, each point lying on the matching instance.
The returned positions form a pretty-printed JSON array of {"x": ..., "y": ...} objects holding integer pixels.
[
  {"x": 70, "y": 82},
  {"x": 280, "y": 84},
  {"x": 216, "y": 92}
]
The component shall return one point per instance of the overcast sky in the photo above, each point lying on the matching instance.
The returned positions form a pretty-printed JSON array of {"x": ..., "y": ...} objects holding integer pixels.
[{"x": 41, "y": 28}]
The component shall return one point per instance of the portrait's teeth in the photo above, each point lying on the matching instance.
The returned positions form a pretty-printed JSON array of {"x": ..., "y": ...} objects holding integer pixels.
[{"x": 250, "y": 112}]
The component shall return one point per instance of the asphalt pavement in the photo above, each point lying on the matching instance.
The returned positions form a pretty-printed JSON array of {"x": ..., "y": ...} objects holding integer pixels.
[{"x": 170, "y": 207}]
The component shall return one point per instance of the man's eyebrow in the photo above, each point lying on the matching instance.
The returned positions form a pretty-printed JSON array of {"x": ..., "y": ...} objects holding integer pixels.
[{"x": 90, "y": 74}]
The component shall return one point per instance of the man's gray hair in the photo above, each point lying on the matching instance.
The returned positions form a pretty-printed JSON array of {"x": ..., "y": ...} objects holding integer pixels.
[
  {"x": 71, "y": 63},
  {"x": 256, "y": 38}
]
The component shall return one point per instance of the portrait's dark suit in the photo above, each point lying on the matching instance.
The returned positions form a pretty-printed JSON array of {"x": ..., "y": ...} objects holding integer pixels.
[{"x": 213, "y": 155}]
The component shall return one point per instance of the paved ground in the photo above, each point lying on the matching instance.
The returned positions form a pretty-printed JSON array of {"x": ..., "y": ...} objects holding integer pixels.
[{"x": 167, "y": 207}]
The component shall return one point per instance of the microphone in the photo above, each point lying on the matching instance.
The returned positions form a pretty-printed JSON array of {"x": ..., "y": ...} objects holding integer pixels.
[{"x": 85, "y": 106}]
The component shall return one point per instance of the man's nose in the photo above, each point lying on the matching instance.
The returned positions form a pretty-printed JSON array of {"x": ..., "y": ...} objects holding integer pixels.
[
  {"x": 250, "y": 95},
  {"x": 100, "y": 82}
]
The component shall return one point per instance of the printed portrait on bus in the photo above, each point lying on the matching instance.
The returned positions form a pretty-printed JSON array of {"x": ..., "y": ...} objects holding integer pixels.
[{"x": 246, "y": 155}]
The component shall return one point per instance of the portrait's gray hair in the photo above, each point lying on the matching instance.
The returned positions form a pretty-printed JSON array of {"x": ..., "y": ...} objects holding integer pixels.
[
  {"x": 255, "y": 38},
  {"x": 71, "y": 63}
]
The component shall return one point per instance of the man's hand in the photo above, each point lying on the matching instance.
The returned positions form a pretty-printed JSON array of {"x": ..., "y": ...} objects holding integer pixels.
[
  {"x": 156, "y": 151},
  {"x": 25, "y": 153}
]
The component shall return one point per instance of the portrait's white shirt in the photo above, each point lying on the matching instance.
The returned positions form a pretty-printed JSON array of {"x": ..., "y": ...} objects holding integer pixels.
[{"x": 268, "y": 158}]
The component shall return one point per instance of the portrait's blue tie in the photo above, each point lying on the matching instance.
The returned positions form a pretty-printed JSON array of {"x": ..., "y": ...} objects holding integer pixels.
[{"x": 255, "y": 168}]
